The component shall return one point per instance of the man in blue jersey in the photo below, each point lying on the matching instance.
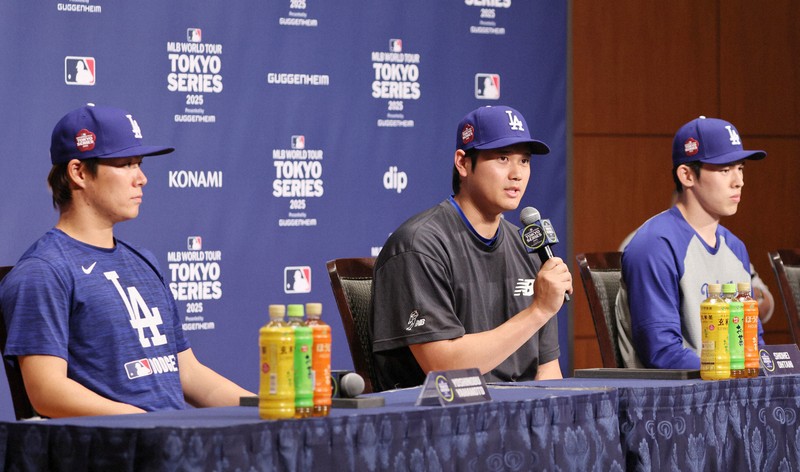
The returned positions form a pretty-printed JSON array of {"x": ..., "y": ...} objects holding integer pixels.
[
  {"x": 454, "y": 286},
  {"x": 89, "y": 318},
  {"x": 675, "y": 254}
]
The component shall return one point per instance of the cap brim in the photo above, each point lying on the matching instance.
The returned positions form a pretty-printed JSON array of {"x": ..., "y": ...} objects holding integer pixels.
[
  {"x": 537, "y": 147},
  {"x": 142, "y": 151},
  {"x": 735, "y": 156}
]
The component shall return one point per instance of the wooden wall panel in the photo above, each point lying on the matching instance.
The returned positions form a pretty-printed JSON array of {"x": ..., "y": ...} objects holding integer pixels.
[
  {"x": 760, "y": 66},
  {"x": 643, "y": 67}
]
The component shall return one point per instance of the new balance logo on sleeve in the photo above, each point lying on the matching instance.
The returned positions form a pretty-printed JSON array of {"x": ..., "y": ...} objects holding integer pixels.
[{"x": 414, "y": 320}]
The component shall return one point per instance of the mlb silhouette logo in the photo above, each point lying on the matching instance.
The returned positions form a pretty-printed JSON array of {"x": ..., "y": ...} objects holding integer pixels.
[
  {"x": 298, "y": 141},
  {"x": 194, "y": 243},
  {"x": 487, "y": 86},
  {"x": 396, "y": 45},
  {"x": 140, "y": 368},
  {"x": 79, "y": 70},
  {"x": 297, "y": 279},
  {"x": 194, "y": 35}
]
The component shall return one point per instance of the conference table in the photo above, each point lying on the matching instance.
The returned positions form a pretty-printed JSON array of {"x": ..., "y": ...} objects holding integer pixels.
[{"x": 571, "y": 424}]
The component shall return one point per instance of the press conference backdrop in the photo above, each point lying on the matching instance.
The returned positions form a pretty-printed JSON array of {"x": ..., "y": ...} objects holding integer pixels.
[{"x": 305, "y": 130}]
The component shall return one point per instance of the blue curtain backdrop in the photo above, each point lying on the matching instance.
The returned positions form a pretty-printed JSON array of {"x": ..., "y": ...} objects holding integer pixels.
[{"x": 305, "y": 130}]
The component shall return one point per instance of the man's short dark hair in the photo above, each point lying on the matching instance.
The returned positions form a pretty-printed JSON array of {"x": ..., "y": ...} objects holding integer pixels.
[
  {"x": 472, "y": 154},
  {"x": 60, "y": 185},
  {"x": 694, "y": 165}
]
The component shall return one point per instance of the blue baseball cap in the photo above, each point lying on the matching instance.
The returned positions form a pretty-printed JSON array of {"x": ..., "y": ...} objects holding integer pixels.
[
  {"x": 102, "y": 132},
  {"x": 493, "y": 127},
  {"x": 712, "y": 141}
]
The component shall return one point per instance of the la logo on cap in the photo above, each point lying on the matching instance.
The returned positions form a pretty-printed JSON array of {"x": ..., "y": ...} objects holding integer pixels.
[
  {"x": 85, "y": 140},
  {"x": 734, "y": 136},
  {"x": 467, "y": 134},
  {"x": 691, "y": 147}
]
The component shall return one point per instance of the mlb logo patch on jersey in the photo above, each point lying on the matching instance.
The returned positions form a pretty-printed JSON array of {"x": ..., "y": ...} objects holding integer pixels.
[
  {"x": 79, "y": 70},
  {"x": 298, "y": 141},
  {"x": 140, "y": 368},
  {"x": 396, "y": 45}
]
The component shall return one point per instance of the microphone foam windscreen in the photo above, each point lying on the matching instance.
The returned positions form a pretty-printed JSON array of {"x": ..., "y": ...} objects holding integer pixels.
[{"x": 529, "y": 215}]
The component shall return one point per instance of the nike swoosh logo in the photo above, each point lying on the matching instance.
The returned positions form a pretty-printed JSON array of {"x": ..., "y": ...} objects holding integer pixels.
[{"x": 89, "y": 270}]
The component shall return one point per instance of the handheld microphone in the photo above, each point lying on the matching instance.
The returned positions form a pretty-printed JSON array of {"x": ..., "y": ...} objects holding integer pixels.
[{"x": 538, "y": 235}]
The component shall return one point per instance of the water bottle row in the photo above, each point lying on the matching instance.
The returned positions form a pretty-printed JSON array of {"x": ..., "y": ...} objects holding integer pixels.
[
  {"x": 729, "y": 317},
  {"x": 295, "y": 363}
]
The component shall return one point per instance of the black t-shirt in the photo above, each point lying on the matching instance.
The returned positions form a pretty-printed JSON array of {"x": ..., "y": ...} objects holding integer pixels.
[{"x": 435, "y": 280}]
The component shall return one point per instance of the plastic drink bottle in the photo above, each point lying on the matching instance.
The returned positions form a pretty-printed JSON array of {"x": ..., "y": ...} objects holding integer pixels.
[
  {"x": 303, "y": 389},
  {"x": 735, "y": 330},
  {"x": 751, "y": 361},
  {"x": 715, "y": 361},
  {"x": 276, "y": 386},
  {"x": 320, "y": 359}
]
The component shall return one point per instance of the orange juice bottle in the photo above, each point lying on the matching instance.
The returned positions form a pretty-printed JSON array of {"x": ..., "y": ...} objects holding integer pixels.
[
  {"x": 320, "y": 359},
  {"x": 715, "y": 360},
  {"x": 276, "y": 386},
  {"x": 751, "y": 364}
]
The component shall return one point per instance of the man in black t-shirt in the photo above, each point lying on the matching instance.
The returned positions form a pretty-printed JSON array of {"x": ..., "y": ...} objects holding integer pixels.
[{"x": 454, "y": 286}]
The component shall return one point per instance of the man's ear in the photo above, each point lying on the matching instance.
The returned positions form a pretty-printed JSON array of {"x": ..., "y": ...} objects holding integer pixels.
[
  {"x": 686, "y": 176},
  {"x": 460, "y": 160},
  {"x": 77, "y": 173}
]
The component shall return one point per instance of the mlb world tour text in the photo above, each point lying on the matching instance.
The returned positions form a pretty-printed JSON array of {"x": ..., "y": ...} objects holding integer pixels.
[{"x": 195, "y": 275}]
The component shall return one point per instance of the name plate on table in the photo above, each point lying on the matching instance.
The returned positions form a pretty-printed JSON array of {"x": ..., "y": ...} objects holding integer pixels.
[
  {"x": 453, "y": 387},
  {"x": 779, "y": 359}
]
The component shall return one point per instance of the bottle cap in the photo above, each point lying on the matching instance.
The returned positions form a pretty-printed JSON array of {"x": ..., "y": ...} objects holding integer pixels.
[
  {"x": 295, "y": 311},
  {"x": 743, "y": 286},
  {"x": 728, "y": 288},
  {"x": 712, "y": 288},
  {"x": 276, "y": 311},
  {"x": 314, "y": 310}
]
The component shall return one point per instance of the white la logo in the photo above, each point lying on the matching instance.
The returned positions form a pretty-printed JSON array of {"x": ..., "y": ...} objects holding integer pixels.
[
  {"x": 137, "y": 132},
  {"x": 735, "y": 140},
  {"x": 140, "y": 315},
  {"x": 514, "y": 122}
]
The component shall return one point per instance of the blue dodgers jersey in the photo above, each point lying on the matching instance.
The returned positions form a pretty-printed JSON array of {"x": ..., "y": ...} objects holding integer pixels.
[
  {"x": 106, "y": 311},
  {"x": 665, "y": 270}
]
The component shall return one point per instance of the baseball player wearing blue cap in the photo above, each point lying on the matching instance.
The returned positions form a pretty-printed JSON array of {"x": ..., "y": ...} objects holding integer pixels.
[
  {"x": 90, "y": 321},
  {"x": 454, "y": 286},
  {"x": 675, "y": 254}
]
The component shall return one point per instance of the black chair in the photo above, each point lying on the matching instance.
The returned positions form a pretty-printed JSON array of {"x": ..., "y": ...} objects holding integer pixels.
[
  {"x": 601, "y": 273},
  {"x": 786, "y": 264},
  {"x": 19, "y": 397},
  {"x": 351, "y": 281}
]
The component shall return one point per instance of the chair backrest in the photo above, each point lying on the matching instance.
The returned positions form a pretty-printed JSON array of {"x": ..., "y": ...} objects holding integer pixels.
[
  {"x": 601, "y": 274},
  {"x": 19, "y": 397},
  {"x": 351, "y": 281},
  {"x": 786, "y": 264}
]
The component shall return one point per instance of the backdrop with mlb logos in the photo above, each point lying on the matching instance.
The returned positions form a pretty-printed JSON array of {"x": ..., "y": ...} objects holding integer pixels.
[{"x": 305, "y": 130}]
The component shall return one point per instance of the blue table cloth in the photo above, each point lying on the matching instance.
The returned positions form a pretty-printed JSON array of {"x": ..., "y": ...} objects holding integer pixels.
[
  {"x": 694, "y": 425},
  {"x": 523, "y": 428}
]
